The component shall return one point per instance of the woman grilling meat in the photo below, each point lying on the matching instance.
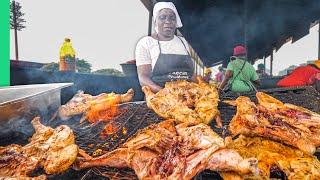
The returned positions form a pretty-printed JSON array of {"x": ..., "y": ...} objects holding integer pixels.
[{"x": 163, "y": 56}]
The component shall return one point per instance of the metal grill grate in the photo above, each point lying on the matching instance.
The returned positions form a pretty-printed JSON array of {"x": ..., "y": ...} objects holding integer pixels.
[
  {"x": 135, "y": 116},
  {"x": 132, "y": 117}
]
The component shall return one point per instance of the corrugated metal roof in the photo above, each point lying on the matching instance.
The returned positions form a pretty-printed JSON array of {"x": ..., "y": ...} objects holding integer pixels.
[{"x": 214, "y": 27}]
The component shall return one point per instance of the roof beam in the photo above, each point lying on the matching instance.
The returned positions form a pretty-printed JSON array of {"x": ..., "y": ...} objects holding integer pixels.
[
  {"x": 319, "y": 41},
  {"x": 149, "y": 4}
]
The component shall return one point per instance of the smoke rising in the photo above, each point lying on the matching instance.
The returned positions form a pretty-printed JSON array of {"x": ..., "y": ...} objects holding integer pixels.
[{"x": 214, "y": 27}]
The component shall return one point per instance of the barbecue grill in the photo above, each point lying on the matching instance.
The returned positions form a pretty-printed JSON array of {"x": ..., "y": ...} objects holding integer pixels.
[
  {"x": 19, "y": 103},
  {"x": 136, "y": 115}
]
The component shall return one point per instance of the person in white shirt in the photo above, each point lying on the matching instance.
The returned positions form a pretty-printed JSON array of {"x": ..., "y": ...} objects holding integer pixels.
[{"x": 163, "y": 56}]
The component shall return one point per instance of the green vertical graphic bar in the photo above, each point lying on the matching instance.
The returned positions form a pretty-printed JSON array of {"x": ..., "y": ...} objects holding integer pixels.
[{"x": 4, "y": 43}]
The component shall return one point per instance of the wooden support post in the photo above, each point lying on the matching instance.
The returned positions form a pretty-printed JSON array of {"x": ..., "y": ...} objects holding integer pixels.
[
  {"x": 150, "y": 23},
  {"x": 245, "y": 29},
  {"x": 264, "y": 63},
  {"x": 319, "y": 40},
  {"x": 271, "y": 62}
]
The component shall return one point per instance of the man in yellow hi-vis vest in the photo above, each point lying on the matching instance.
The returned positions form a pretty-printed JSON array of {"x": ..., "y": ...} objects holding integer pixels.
[{"x": 67, "y": 56}]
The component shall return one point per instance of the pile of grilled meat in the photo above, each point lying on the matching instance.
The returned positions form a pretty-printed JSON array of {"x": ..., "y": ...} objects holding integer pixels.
[
  {"x": 267, "y": 136},
  {"x": 169, "y": 151}
]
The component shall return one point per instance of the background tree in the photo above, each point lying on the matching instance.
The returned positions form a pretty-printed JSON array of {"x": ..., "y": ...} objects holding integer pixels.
[
  {"x": 16, "y": 23},
  {"x": 110, "y": 72},
  {"x": 83, "y": 66},
  {"x": 51, "y": 67}
]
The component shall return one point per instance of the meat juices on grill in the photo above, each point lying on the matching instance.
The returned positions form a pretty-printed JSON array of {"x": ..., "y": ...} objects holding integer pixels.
[
  {"x": 81, "y": 102},
  {"x": 273, "y": 119},
  {"x": 185, "y": 102},
  {"x": 173, "y": 152},
  {"x": 53, "y": 149}
]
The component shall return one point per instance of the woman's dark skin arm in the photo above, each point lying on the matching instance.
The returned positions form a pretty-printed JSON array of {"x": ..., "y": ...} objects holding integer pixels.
[
  {"x": 144, "y": 73},
  {"x": 227, "y": 77}
]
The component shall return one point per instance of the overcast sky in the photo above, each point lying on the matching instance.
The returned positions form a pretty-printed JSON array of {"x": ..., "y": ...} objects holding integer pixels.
[
  {"x": 301, "y": 51},
  {"x": 105, "y": 33}
]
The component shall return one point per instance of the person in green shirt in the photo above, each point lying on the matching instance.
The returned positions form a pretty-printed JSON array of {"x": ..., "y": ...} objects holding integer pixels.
[{"x": 240, "y": 74}]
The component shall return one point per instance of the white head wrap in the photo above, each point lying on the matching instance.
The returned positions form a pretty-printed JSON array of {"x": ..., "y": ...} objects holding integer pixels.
[{"x": 165, "y": 5}]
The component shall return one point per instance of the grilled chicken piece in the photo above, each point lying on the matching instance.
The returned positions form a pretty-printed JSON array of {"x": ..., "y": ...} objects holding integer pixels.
[
  {"x": 157, "y": 137},
  {"x": 207, "y": 152},
  {"x": 192, "y": 148},
  {"x": 61, "y": 150},
  {"x": 293, "y": 162},
  {"x": 197, "y": 137},
  {"x": 141, "y": 161},
  {"x": 141, "y": 152},
  {"x": 53, "y": 149},
  {"x": 60, "y": 160},
  {"x": 42, "y": 132},
  {"x": 185, "y": 102},
  {"x": 81, "y": 102},
  {"x": 207, "y": 104},
  {"x": 58, "y": 151},
  {"x": 230, "y": 160},
  {"x": 275, "y": 120},
  {"x": 304, "y": 120},
  {"x": 300, "y": 168},
  {"x": 296, "y": 115},
  {"x": 168, "y": 105},
  {"x": 14, "y": 163},
  {"x": 198, "y": 161},
  {"x": 41, "y": 177}
]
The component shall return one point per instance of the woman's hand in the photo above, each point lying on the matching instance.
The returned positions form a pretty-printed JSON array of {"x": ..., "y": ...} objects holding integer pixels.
[{"x": 144, "y": 73}]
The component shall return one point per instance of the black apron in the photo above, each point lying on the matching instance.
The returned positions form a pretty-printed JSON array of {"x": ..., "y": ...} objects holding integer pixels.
[{"x": 170, "y": 67}]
